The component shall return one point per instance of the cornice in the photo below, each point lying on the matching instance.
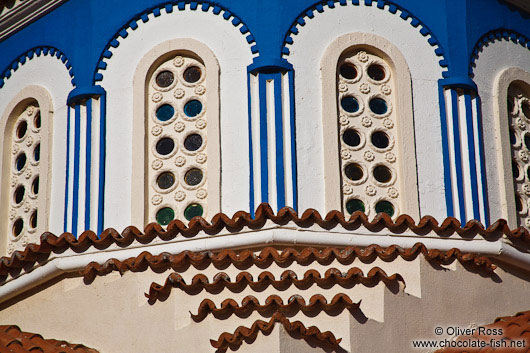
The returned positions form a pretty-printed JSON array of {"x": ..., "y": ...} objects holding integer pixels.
[{"x": 21, "y": 12}]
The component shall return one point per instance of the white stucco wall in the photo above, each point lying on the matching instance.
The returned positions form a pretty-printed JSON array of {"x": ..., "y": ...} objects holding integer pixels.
[
  {"x": 306, "y": 54},
  {"x": 50, "y": 73},
  {"x": 233, "y": 54}
]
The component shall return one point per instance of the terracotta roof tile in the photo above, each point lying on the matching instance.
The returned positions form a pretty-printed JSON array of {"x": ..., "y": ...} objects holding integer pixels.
[{"x": 12, "y": 339}]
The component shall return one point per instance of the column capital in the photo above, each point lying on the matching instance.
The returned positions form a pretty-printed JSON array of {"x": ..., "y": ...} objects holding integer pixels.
[
  {"x": 462, "y": 82},
  {"x": 266, "y": 65},
  {"x": 80, "y": 93}
]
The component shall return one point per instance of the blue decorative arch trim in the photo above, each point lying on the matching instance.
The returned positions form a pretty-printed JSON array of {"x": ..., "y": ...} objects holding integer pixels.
[
  {"x": 32, "y": 53},
  {"x": 169, "y": 7},
  {"x": 381, "y": 4},
  {"x": 493, "y": 36}
]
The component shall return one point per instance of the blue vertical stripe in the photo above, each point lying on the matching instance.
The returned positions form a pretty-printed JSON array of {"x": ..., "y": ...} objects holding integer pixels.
[
  {"x": 88, "y": 161},
  {"x": 278, "y": 113},
  {"x": 75, "y": 198},
  {"x": 102, "y": 150},
  {"x": 446, "y": 159},
  {"x": 66, "y": 191},
  {"x": 251, "y": 154},
  {"x": 458, "y": 154},
  {"x": 472, "y": 155},
  {"x": 263, "y": 137},
  {"x": 482, "y": 161},
  {"x": 293, "y": 139}
]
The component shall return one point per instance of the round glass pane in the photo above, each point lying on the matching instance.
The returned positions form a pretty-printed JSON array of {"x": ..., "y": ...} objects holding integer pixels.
[
  {"x": 33, "y": 219},
  {"x": 22, "y": 128},
  {"x": 35, "y": 186},
  {"x": 193, "y": 108},
  {"x": 165, "y": 180},
  {"x": 513, "y": 137},
  {"x": 527, "y": 141},
  {"x": 193, "y": 177},
  {"x": 354, "y": 205},
  {"x": 165, "y": 146},
  {"x": 354, "y": 171},
  {"x": 19, "y": 194},
  {"x": 165, "y": 79},
  {"x": 165, "y": 112},
  {"x": 526, "y": 110},
  {"x": 510, "y": 105},
  {"x": 515, "y": 169},
  {"x": 380, "y": 139},
  {"x": 385, "y": 207},
  {"x": 382, "y": 174},
  {"x": 36, "y": 120},
  {"x": 378, "y": 106},
  {"x": 17, "y": 227},
  {"x": 349, "y": 104},
  {"x": 518, "y": 203},
  {"x": 193, "y": 142},
  {"x": 36, "y": 153},
  {"x": 21, "y": 161},
  {"x": 376, "y": 72},
  {"x": 192, "y": 74},
  {"x": 165, "y": 215},
  {"x": 528, "y": 173},
  {"x": 193, "y": 210},
  {"x": 348, "y": 71},
  {"x": 351, "y": 137}
]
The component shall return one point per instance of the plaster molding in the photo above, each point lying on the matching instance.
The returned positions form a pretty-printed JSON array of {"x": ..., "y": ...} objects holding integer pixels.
[
  {"x": 23, "y": 12},
  {"x": 380, "y": 4}
]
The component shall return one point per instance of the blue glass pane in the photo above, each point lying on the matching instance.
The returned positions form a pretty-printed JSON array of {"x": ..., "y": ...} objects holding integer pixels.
[
  {"x": 193, "y": 108},
  {"x": 165, "y": 112},
  {"x": 378, "y": 106},
  {"x": 349, "y": 104}
]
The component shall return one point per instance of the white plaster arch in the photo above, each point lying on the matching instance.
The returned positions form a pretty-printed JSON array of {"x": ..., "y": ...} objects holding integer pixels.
[
  {"x": 306, "y": 54},
  {"x": 499, "y": 64},
  {"x": 118, "y": 82},
  {"x": 50, "y": 74}
]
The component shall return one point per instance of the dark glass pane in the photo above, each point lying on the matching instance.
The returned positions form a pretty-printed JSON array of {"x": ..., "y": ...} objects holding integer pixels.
[
  {"x": 528, "y": 173},
  {"x": 382, "y": 174},
  {"x": 380, "y": 139},
  {"x": 193, "y": 142},
  {"x": 36, "y": 153},
  {"x": 22, "y": 128},
  {"x": 192, "y": 74},
  {"x": 513, "y": 137},
  {"x": 349, "y": 104},
  {"x": 193, "y": 177},
  {"x": 193, "y": 210},
  {"x": 526, "y": 110},
  {"x": 17, "y": 227},
  {"x": 165, "y": 79},
  {"x": 518, "y": 203},
  {"x": 527, "y": 141},
  {"x": 354, "y": 171},
  {"x": 193, "y": 108},
  {"x": 165, "y": 112},
  {"x": 35, "y": 186},
  {"x": 33, "y": 219},
  {"x": 37, "y": 121},
  {"x": 384, "y": 207},
  {"x": 354, "y": 205},
  {"x": 515, "y": 169},
  {"x": 165, "y": 215},
  {"x": 378, "y": 106},
  {"x": 19, "y": 194},
  {"x": 351, "y": 137},
  {"x": 165, "y": 146},
  {"x": 376, "y": 72},
  {"x": 165, "y": 180},
  {"x": 348, "y": 71},
  {"x": 21, "y": 161}
]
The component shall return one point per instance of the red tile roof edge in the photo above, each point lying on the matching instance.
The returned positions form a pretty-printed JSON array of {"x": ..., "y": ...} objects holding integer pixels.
[
  {"x": 50, "y": 243},
  {"x": 234, "y": 340}
]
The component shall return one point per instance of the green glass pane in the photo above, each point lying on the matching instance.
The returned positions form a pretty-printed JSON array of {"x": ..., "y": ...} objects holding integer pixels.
[
  {"x": 384, "y": 207},
  {"x": 349, "y": 104},
  {"x": 193, "y": 210},
  {"x": 378, "y": 106},
  {"x": 165, "y": 215},
  {"x": 193, "y": 108},
  {"x": 165, "y": 112},
  {"x": 354, "y": 205}
]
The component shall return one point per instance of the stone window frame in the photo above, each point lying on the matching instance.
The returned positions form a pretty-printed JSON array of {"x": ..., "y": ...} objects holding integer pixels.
[
  {"x": 145, "y": 69},
  {"x": 29, "y": 95},
  {"x": 405, "y": 134}
]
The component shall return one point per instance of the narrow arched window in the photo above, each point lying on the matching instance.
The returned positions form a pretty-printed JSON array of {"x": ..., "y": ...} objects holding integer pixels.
[{"x": 181, "y": 124}]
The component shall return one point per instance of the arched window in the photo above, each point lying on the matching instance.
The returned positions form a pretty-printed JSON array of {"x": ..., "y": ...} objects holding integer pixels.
[
  {"x": 25, "y": 167},
  {"x": 368, "y": 114},
  {"x": 181, "y": 115}
]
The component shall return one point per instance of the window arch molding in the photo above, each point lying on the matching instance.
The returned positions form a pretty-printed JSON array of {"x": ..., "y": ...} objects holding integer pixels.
[
  {"x": 145, "y": 69},
  {"x": 507, "y": 78},
  {"x": 40, "y": 97},
  {"x": 406, "y": 148}
]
